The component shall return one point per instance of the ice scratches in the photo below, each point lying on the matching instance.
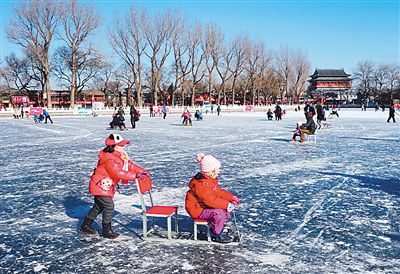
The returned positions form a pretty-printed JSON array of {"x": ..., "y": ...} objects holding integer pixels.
[
  {"x": 292, "y": 237},
  {"x": 268, "y": 168},
  {"x": 274, "y": 259}
]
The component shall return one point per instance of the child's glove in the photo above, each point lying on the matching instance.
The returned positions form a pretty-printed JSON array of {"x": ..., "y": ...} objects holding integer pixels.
[
  {"x": 235, "y": 201},
  {"x": 140, "y": 176},
  {"x": 146, "y": 173},
  {"x": 230, "y": 207}
]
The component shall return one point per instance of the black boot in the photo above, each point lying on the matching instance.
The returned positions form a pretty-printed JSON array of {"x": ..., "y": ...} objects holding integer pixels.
[
  {"x": 107, "y": 231},
  {"x": 86, "y": 227},
  {"x": 222, "y": 238}
]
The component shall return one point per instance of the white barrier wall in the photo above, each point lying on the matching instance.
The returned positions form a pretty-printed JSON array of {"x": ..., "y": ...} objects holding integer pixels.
[{"x": 5, "y": 113}]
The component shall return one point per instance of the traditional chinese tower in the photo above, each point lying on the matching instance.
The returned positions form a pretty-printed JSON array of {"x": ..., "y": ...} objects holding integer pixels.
[{"x": 329, "y": 83}]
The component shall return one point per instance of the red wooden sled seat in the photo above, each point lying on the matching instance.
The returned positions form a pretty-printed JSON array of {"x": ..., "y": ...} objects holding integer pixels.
[{"x": 145, "y": 186}]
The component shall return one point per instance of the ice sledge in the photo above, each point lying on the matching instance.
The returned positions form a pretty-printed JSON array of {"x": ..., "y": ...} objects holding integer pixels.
[{"x": 156, "y": 211}]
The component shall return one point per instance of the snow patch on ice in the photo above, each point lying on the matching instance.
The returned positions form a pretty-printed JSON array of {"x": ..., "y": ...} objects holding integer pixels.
[
  {"x": 187, "y": 266},
  {"x": 274, "y": 259},
  {"x": 38, "y": 267}
]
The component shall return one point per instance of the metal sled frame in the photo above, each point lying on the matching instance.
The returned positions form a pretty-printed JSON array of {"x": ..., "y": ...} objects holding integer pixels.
[
  {"x": 188, "y": 239},
  {"x": 155, "y": 211},
  {"x": 312, "y": 137}
]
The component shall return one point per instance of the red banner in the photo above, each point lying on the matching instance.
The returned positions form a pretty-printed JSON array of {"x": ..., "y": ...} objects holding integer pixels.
[
  {"x": 36, "y": 111},
  {"x": 20, "y": 99}
]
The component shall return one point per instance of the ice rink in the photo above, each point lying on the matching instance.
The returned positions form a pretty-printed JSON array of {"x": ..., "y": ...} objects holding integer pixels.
[{"x": 332, "y": 206}]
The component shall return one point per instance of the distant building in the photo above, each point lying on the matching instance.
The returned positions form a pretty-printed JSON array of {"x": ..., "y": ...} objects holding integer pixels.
[{"x": 332, "y": 84}]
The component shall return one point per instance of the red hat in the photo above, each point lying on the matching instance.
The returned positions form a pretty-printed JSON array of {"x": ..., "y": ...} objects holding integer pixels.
[{"x": 116, "y": 139}]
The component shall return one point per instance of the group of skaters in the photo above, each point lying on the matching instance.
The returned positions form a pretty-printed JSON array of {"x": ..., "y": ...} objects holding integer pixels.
[
  {"x": 309, "y": 127},
  {"x": 118, "y": 118},
  {"x": 44, "y": 116},
  {"x": 161, "y": 112},
  {"x": 205, "y": 199},
  {"x": 186, "y": 115},
  {"x": 278, "y": 112}
]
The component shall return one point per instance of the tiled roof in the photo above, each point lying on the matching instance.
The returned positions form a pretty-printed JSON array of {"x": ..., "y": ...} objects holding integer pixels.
[{"x": 329, "y": 73}]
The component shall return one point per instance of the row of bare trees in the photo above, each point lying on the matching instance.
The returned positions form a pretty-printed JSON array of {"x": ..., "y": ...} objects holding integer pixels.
[
  {"x": 373, "y": 79},
  {"x": 34, "y": 27},
  {"x": 162, "y": 53}
]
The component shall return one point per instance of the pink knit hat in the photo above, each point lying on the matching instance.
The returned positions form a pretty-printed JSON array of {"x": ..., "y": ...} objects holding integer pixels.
[{"x": 207, "y": 162}]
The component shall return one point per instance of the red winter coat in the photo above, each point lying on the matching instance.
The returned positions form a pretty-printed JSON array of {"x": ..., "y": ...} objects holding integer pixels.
[
  {"x": 204, "y": 193},
  {"x": 110, "y": 170}
]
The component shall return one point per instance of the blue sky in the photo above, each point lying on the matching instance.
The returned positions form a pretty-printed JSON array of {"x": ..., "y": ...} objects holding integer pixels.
[{"x": 335, "y": 34}]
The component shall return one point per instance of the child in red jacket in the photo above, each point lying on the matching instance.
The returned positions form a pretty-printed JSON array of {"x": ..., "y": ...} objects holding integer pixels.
[
  {"x": 205, "y": 200},
  {"x": 113, "y": 166}
]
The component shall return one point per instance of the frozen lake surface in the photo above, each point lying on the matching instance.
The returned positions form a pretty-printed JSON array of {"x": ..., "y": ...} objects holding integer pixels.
[{"x": 331, "y": 207}]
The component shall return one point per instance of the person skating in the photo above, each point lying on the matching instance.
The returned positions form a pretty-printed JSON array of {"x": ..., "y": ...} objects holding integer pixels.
[
  {"x": 391, "y": 113},
  {"x": 118, "y": 121},
  {"x": 187, "y": 121},
  {"x": 164, "y": 111},
  {"x": 134, "y": 115},
  {"x": 298, "y": 133},
  {"x": 199, "y": 115},
  {"x": 309, "y": 127},
  {"x": 270, "y": 114},
  {"x": 219, "y": 110},
  {"x": 320, "y": 114},
  {"x": 113, "y": 166},
  {"x": 278, "y": 112},
  {"x": 47, "y": 116},
  {"x": 206, "y": 200}
]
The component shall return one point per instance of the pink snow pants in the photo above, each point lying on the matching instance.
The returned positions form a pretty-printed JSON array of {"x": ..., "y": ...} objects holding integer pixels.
[{"x": 216, "y": 217}]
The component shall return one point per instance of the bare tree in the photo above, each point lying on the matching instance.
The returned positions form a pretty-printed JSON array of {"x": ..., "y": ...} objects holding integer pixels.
[
  {"x": 300, "y": 72},
  {"x": 224, "y": 71},
  {"x": 212, "y": 46},
  {"x": 240, "y": 49},
  {"x": 255, "y": 62},
  {"x": 33, "y": 28},
  {"x": 104, "y": 76},
  {"x": 379, "y": 79},
  {"x": 364, "y": 73},
  {"x": 284, "y": 67},
  {"x": 263, "y": 69},
  {"x": 196, "y": 56},
  {"x": 17, "y": 73},
  {"x": 158, "y": 32},
  {"x": 78, "y": 22},
  {"x": 128, "y": 41},
  {"x": 87, "y": 64},
  {"x": 180, "y": 48},
  {"x": 125, "y": 76},
  {"x": 393, "y": 77}
]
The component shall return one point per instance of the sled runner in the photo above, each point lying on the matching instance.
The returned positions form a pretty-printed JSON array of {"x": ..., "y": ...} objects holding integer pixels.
[{"x": 188, "y": 238}]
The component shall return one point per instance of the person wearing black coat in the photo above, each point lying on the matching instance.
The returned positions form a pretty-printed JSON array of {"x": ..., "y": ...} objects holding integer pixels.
[
  {"x": 278, "y": 112},
  {"x": 391, "y": 114},
  {"x": 118, "y": 121},
  {"x": 134, "y": 116},
  {"x": 309, "y": 127}
]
